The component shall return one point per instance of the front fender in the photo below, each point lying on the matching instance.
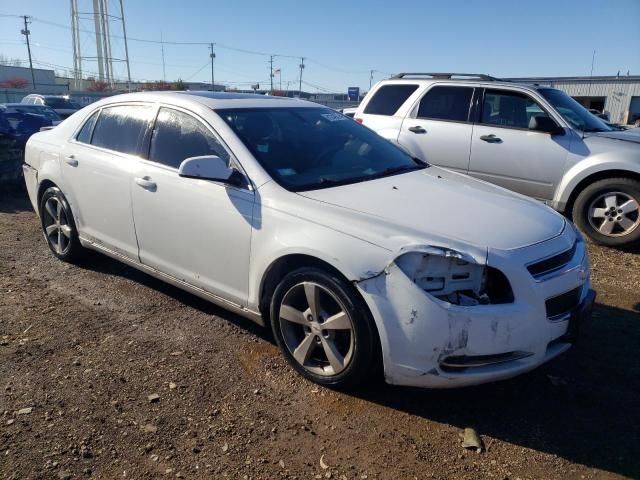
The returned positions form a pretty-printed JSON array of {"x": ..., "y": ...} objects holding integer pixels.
[{"x": 584, "y": 169}]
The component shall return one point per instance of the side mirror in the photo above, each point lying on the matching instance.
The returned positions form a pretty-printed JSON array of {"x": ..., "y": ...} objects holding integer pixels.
[
  {"x": 209, "y": 167},
  {"x": 541, "y": 123}
]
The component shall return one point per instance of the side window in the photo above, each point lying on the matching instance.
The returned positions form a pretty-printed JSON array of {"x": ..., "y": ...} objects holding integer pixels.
[
  {"x": 84, "y": 135},
  {"x": 509, "y": 109},
  {"x": 178, "y": 136},
  {"x": 446, "y": 103},
  {"x": 389, "y": 98},
  {"x": 121, "y": 128}
]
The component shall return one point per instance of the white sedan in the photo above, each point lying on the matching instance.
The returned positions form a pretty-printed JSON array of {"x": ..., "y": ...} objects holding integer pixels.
[{"x": 355, "y": 254}]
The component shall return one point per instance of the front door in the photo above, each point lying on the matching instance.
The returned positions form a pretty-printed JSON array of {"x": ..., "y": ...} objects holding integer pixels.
[
  {"x": 97, "y": 167},
  {"x": 198, "y": 231},
  {"x": 505, "y": 152},
  {"x": 439, "y": 129}
]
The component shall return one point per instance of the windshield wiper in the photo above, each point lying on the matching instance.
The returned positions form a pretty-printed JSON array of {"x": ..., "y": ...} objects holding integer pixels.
[
  {"x": 595, "y": 130},
  {"x": 399, "y": 169}
]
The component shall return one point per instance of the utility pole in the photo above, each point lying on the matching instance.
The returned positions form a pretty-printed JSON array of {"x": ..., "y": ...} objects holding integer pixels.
[
  {"x": 370, "y": 79},
  {"x": 26, "y": 33},
  {"x": 164, "y": 71},
  {"x": 271, "y": 72},
  {"x": 593, "y": 58},
  {"x": 212, "y": 55},
  {"x": 301, "y": 69},
  {"x": 126, "y": 47}
]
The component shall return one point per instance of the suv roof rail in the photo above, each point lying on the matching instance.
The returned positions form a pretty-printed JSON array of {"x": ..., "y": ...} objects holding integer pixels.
[{"x": 446, "y": 75}]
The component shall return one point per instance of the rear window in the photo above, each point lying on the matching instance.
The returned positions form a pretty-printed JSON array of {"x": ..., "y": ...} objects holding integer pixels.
[
  {"x": 446, "y": 103},
  {"x": 84, "y": 136},
  {"x": 121, "y": 128},
  {"x": 389, "y": 98}
]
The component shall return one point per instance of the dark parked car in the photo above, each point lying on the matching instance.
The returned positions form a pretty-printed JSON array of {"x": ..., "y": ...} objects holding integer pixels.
[
  {"x": 42, "y": 110},
  {"x": 15, "y": 129}
]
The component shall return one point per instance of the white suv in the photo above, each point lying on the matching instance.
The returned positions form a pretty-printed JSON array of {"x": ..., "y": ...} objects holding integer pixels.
[{"x": 534, "y": 140}]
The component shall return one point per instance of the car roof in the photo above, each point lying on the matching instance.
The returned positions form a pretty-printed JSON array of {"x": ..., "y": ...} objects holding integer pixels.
[
  {"x": 24, "y": 105},
  {"x": 464, "y": 81},
  {"x": 213, "y": 100}
]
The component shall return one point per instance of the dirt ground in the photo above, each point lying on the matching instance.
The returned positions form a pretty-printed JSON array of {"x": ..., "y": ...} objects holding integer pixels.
[{"x": 82, "y": 349}]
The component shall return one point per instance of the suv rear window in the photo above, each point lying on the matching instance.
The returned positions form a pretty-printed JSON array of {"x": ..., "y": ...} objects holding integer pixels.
[
  {"x": 446, "y": 103},
  {"x": 389, "y": 98}
]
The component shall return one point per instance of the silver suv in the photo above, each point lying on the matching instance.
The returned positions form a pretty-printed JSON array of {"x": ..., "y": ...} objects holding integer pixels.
[{"x": 534, "y": 140}]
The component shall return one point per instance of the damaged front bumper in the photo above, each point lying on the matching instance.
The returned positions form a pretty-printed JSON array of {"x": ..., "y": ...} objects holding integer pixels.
[{"x": 428, "y": 342}]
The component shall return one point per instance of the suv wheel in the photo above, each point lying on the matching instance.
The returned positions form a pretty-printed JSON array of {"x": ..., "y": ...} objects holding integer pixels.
[
  {"x": 608, "y": 211},
  {"x": 58, "y": 226},
  {"x": 324, "y": 329}
]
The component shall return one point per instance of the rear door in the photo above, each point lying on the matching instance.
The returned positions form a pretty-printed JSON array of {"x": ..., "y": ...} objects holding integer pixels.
[
  {"x": 505, "y": 152},
  {"x": 98, "y": 168},
  {"x": 438, "y": 129}
]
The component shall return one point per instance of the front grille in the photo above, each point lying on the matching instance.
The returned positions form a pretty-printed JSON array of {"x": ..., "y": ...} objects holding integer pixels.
[
  {"x": 558, "y": 307},
  {"x": 552, "y": 264}
]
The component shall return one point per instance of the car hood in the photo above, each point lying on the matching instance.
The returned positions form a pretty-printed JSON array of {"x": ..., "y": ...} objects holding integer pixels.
[
  {"x": 440, "y": 208},
  {"x": 631, "y": 135}
]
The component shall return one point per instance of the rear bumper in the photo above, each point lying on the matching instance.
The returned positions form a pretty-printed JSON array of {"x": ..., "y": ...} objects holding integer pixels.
[{"x": 31, "y": 182}]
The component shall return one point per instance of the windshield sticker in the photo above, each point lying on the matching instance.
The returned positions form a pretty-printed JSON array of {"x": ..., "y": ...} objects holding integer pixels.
[
  {"x": 334, "y": 117},
  {"x": 287, "y": 172}
]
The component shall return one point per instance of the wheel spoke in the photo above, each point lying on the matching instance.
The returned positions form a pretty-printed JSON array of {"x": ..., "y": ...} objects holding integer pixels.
[
  {"x": 610, "y": 201},
  {"x": 58, "y": 211},
  {"x": 339, "y": 321},
  {"x": 51, "y": 228},
  {"x": 303, "y": 351},
  {"x": 292, "y": 315},
  {"x": 336, "y": 360},
  {"x": 66, "y": 230},
  {"x": 50, "y": 210},
  {"x": 59, "y": 244},
  {"x": 626, "y": 223},
  {"x": 597, "y": 212},
  {"x": 629, "y": 206},
  {"x": 312, "y": 293},
  {"x": 606, "y": 227}
]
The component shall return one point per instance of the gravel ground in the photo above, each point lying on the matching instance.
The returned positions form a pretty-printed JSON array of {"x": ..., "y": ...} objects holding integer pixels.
[{"x": 108, "y": 373}]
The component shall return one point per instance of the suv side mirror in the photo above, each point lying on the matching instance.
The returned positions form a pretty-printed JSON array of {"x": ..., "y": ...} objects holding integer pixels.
[
  {"x": 541, "y": 123},
  {"x": 209, "y": 167}
]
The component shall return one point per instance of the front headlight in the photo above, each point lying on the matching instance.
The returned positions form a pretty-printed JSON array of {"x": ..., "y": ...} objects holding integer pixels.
[{"x": 455, "y": 278}]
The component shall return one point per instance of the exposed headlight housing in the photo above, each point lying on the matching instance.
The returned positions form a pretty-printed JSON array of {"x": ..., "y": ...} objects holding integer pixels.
[{"x": 455, "y": 278}]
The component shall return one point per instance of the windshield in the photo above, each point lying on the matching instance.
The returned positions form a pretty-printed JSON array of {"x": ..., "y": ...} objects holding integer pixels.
[
  {"x": 61, "y": 102},
  {"x": 312, "y": 148},
  {"x": 574, "y": 113}
]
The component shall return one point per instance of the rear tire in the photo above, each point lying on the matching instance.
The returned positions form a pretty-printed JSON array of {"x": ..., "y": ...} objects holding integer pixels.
[
  {"x": 324, "y": 329},
  {"x": 58, "y": 225},
  {"x": 608, "y": 212}
]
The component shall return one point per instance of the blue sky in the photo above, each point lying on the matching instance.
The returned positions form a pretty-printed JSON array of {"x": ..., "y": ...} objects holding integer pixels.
[{"x": 344, "y": 40}]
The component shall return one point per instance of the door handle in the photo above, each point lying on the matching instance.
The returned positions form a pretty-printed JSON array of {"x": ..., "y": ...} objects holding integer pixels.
[
  {"x": 491, "y": 138},
  {"x": 71, "y": 160},
  {"x": 417, "y": 129},
  {"x": 145, "y": 183}
]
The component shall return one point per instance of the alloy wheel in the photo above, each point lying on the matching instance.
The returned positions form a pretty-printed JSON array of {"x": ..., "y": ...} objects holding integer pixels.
[
  {"x": 56, "y": 226},
  {"x": 317, "y": 329},
  {"x": 614, "y": 214}
]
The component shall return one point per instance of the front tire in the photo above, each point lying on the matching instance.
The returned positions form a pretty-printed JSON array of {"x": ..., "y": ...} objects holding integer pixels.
[
  {"x": 58, "y": 225},
  {"x": 324, "y": 329},
  {"x": 608, "y": 211}
]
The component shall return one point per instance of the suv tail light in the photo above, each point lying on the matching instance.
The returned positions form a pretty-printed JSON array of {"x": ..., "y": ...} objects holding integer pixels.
[{"x": 359, "y": 120}]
